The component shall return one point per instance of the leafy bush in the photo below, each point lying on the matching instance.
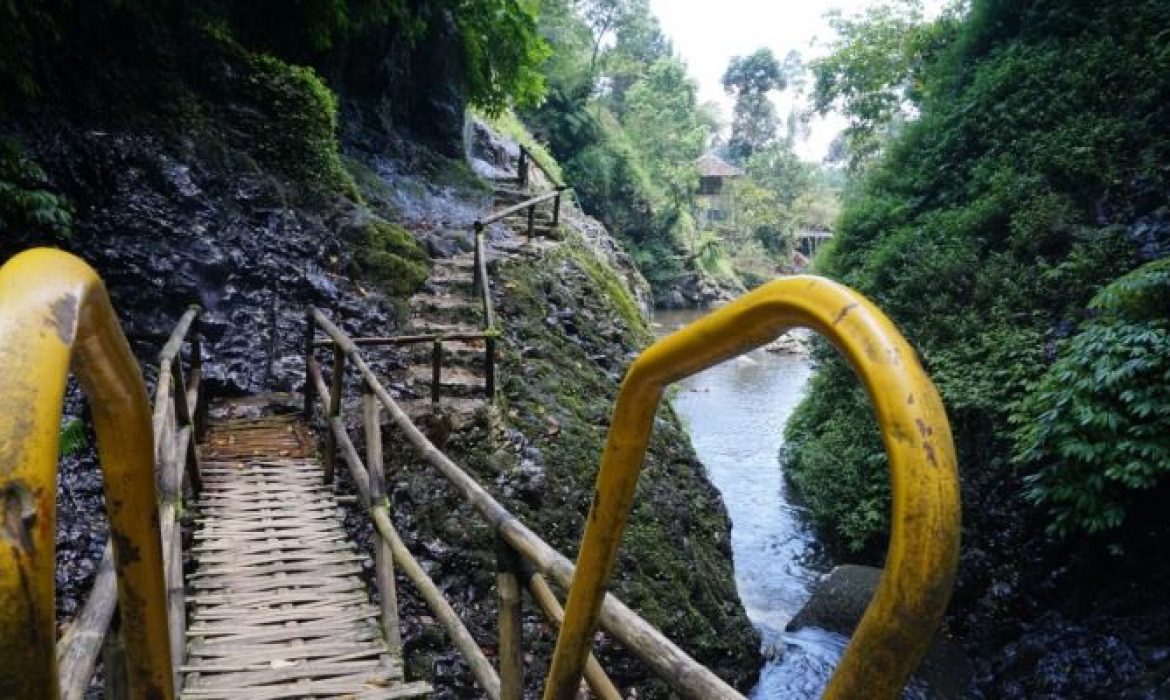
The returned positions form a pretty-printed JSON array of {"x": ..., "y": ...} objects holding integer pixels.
[
  {"x": 25, "y": 204},
  {"x": 985, "y": 229},
  {"x": 1096, "y": 428}
]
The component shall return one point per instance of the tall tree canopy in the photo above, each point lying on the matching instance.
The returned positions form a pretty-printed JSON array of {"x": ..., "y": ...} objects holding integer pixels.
[{"x": 751, "y": 80}]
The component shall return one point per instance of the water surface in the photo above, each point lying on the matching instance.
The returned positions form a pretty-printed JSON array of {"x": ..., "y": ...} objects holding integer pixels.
[{"x": 735, "y": 413}]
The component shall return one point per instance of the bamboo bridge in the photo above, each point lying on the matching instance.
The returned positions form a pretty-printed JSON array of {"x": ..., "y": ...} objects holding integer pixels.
[{"x": 269, "y": 603}]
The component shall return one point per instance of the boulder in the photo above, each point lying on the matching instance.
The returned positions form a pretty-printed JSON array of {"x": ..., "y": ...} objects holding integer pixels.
[{"x": 839, "y": 600}]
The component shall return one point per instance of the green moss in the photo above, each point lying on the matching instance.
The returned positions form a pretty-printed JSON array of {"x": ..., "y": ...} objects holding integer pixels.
[
  {"x": 569, "y": 324},
  {"x": 391, "y": 258},
  {"x": 604, "y": 277}
]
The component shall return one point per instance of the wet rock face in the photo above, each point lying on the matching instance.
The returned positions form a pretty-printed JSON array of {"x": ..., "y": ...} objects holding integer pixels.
[
  {"x": 1059, "y": 658},
  {"x": 694, "y": 291},
  {"x": 167, "y": 224}
]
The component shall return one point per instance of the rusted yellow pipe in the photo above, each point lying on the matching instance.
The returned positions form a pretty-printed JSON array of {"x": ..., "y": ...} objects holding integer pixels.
[
  {"x": 54, "y": 311},
  {"x": 923, "y": 552}
]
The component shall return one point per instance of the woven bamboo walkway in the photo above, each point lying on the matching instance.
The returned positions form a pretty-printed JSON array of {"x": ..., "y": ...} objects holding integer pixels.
[{"x": 278, "y": 608}]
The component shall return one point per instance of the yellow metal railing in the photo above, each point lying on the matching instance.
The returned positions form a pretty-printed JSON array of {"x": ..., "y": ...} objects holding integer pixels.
[
  {"x": 55, "y": 314},
  {"x": 923, "y": 551}
]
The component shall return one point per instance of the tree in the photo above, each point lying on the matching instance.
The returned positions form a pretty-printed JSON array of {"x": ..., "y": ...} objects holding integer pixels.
[
  {"x": 664, "y": 125},
  {"x": 875, "y": 73},
  {"x": 751, "y": 79}
]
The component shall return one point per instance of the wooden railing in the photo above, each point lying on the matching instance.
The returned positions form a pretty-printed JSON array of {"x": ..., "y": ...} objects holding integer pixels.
[
  {"x": 524, "y": 169},
  {"x": 524, "y": 558}
]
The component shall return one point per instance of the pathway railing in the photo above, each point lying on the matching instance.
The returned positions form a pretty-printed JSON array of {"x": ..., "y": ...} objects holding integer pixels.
[
  {"x": 924, "y": 535},
  {"x": 519, "y": 547},
  {"x": 55, "y": 314},
  {"x": 524, "y": 169}
]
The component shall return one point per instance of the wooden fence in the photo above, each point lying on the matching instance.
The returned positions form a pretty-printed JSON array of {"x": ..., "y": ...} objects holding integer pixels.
[{"x": 520, "y": 549}]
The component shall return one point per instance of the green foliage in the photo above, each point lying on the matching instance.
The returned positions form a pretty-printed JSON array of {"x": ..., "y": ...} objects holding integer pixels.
[
  {"x": 1096, "y": 428},
  {"x": 295, "y": 127},
  {"x": 664, "y": 126},
  {"x": 502, "y": 52},
  {"x": 834, "y": 457},
  {"x": 72, "y": 438},
  {"x": 986, "y": 227},
  {"x": 26, "y": 206},
  {"x": 876, "y": 70},
  {"x": 22, "y": 24},
  {"x": 751, "y": 79},
  {"x": 390, "y": 258},
  {"x": 627, "y": 149}
]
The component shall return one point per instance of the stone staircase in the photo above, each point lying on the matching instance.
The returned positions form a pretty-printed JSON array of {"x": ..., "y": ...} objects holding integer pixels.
[{"x": 449, "y": 305}]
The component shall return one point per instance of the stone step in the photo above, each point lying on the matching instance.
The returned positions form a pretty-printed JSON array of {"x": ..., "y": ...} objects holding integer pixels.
[
  {"x": 461, "y": 412},
  {"x": 463, "y": 261},
  {"x": 423, "y": 325},
  {"x": 444, "y": 302},
  {"x": 458, "y": 382},
  {"x": 456, "y": 353}
]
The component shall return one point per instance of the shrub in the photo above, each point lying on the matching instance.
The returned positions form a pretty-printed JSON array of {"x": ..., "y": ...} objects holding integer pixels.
[
  {"x": 26, "y": 206},
  {"x": 1096, "y": 429}
]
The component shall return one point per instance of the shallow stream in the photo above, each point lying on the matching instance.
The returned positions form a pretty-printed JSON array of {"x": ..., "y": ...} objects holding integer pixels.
[{"x": 735, "y": 413}]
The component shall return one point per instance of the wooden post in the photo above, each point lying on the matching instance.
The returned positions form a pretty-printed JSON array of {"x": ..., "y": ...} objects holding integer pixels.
[
  {"x": 511, "y": 653},
  {"x": 183, "y": 419},
  {"x": 489, "y": 367},
  {"x": 335, "y": 390},
  {"x": 478, "y": 245},
  {"x": 310, "y": 331},
  {"x": 595, "y": 676},
  {"x": 522, "y": 168},
  {"x": 436, "y": 370},
  {"x": 557, "y": 209},
  {"x": 383, "y": 556},
  {"x": 531, "y": 221},
  {"x": 198, "y": 406}
]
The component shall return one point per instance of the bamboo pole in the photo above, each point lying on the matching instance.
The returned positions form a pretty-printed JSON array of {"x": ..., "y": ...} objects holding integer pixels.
[
  {"x": 182, "y": 408},
  {"x": 436, "y": 370},
  {"x": 317, "y": 381},
  {"x": 406, "y": 339},
  {"x": 546, "y": 600},
  {"x": 310, "y": 333},
  {"x": 481, "y": 668},
  {"x": 335, "y": 389},
  {"x": 511, "y": 642},
  {"x": 489, "y": 368},
  {"x": 81, "y": 645},
  {"x": 383, "y": 557},
  {"x": 516, "y": 208}
]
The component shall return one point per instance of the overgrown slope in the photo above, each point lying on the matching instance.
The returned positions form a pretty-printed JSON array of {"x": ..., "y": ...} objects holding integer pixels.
[{"x": 1035, "y": 175}]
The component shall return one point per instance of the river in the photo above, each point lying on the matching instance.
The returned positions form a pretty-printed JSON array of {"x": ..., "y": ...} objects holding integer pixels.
[{"x": 735, "y": 413}]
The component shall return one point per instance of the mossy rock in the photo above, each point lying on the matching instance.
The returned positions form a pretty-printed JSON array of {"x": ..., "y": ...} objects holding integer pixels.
[
  {"x": 392, "y": 259},
  {"x": 283, "y": 115}
]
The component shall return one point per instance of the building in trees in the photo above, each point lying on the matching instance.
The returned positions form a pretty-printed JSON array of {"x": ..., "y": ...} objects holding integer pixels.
[{"x": 716, "y": 200}]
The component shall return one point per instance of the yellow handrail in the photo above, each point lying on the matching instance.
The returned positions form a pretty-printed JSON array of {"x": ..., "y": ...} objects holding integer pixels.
[
  {"x": 924, "y": 539},
  {"x": 54, "y": 312}
]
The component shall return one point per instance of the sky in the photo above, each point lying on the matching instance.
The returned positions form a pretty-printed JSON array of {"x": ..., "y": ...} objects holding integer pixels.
[{"x": 708, "y": 33}]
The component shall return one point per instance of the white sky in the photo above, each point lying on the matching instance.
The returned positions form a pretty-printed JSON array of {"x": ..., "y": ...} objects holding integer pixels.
[{"x": 708, "y": 33}]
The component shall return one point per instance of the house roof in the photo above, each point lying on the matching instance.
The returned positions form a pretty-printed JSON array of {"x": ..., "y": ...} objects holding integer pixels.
[{"x": 711, "y": 165}]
